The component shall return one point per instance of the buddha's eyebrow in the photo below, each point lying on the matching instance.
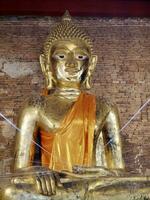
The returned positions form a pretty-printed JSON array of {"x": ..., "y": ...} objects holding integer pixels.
[
  {"x": 60, "y": 49},
  {"x": 77, "y": 49},
  {"x": 85, "y": 51}
]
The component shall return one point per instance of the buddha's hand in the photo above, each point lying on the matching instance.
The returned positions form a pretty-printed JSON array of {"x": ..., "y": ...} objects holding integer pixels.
[
  {"x": 47, "y": 182},
  {"x": 42, "y": 180},
  {"x": 101, "y": 171}
]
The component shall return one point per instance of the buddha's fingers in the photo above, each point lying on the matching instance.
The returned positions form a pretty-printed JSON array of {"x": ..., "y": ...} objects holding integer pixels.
[
  {"x": 52, "y": 182},
  {"x": 38, "y": 185},
  {"x": 48, "y": 185},
  {"x": 43, "y": 184}
]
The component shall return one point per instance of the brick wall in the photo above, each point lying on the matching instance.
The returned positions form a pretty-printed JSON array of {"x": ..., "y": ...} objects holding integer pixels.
[{"x": 122, "y": 75}]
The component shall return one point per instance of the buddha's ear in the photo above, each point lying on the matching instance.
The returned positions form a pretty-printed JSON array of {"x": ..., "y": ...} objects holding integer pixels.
[
  {"x": 49, "y": 79},
  {"x": 43, "y": 63},
  {"x": 92, "y": 65},
  {"x": 93, "y": 62}
]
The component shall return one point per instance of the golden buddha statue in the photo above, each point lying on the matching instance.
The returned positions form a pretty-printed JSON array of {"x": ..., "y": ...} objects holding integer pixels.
[{"x": 80, "y": 140}]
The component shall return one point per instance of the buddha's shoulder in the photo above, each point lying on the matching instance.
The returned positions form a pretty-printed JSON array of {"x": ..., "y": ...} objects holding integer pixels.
[
  {"x": 35, "y": 101},
  {"x": 32, "y": 106},
  {"x": 104, "y": 105}
]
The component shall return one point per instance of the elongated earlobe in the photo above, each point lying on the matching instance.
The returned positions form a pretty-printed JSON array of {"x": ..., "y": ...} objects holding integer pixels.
[
  {"x": 91, "y": 68},
  {"x": 88, "y": 83},
  {"x": 45, "y": 67}
]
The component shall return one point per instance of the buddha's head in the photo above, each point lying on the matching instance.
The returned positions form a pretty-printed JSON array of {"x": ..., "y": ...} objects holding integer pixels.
[{"x": 68, "y": 57}]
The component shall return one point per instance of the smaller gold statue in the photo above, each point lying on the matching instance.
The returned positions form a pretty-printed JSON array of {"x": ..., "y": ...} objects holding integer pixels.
[{"x": 79, "y": 132}]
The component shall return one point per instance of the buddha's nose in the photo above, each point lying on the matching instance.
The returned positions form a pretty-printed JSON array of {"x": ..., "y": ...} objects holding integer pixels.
[{"x": 71, "y": 63}]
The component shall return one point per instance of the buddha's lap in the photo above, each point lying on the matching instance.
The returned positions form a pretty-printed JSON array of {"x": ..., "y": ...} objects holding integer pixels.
[{"x": 111, "y": 192}]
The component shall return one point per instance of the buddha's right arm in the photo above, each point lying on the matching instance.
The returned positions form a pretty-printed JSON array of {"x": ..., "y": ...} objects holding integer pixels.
[{"x": 24, "y": 138}]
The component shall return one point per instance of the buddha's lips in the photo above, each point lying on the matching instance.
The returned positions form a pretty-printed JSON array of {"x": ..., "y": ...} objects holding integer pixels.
[
  {"x": 73, "y": 73},
  {"x": 72, "y": 70}
]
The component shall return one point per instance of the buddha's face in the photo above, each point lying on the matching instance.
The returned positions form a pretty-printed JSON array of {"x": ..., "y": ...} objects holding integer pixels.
[{"x": 70, "y": 61}]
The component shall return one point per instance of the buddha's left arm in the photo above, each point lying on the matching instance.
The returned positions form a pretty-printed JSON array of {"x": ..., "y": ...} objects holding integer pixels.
[{"x": 113, "y": 141}]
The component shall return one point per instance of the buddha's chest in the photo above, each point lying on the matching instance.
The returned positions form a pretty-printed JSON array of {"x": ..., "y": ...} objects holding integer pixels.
[{"x": 55, "y": 111}]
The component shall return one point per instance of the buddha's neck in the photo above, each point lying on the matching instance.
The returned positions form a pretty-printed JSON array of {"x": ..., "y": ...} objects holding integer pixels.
[{"x": 68, "y": 90}]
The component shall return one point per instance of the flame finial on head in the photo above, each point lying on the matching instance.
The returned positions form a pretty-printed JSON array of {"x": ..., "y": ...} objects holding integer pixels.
[{"x": 66, "y": 16}]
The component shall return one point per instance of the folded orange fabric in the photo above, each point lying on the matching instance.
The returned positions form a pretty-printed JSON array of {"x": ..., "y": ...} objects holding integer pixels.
[{"x": 72, "y": 144}]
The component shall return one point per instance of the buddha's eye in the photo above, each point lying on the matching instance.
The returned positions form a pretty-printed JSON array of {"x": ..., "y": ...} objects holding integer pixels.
[
  {"x": 59, "y": 56},
  {"x": 81, "y": 57}
]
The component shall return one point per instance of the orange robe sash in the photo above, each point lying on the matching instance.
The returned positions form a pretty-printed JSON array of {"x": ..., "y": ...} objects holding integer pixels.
[{"x": 72, "y": 144}]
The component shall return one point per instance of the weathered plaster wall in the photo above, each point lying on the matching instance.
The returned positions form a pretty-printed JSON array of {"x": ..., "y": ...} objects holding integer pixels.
[{"x": 122, "y": 75}]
